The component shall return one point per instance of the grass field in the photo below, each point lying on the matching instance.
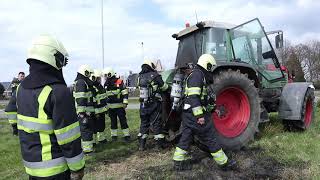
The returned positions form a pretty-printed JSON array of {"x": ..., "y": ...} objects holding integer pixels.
[{"x": 276, "y": 154}]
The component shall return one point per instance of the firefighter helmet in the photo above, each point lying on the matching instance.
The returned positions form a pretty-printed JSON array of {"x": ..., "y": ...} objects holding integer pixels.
[{"x": 48, "y": 49}]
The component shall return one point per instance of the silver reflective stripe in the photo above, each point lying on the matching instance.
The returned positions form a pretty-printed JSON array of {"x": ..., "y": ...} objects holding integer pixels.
[
  {"x": 45, "y": 164},
  {"x": 75, "y": 159},
  {"x": 12, "y": 116},
  {"x": 35, "y": 126},
  {"x": 68, "y": 134}
]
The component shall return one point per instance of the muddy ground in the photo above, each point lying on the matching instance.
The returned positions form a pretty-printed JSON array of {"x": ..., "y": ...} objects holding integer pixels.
[{"x": 158, "y": 165}]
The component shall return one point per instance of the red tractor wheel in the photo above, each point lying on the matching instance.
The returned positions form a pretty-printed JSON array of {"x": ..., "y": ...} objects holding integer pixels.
[
  {"x": 235, "y": 118},
  {"x": 237, "y": 113}
]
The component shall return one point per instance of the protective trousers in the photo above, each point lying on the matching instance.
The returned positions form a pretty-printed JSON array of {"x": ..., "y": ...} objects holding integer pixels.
[
  {"x": 100, "y": 126},
  {"x": 87, "y": 130},
  {"x": 150, "y": 115},
  {"x": 190, "y": 127},
  {"x": 114, "y": 114}
]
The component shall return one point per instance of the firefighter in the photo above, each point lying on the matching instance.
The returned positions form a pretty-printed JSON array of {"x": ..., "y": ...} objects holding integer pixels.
[
  {"x": 83, "y": 95},
  {"x": 151, "y": 86},
  {"x": 47, "y": 121},
  {"x": 100, "y": 107},
  {"x": 117, "y": 100},
  {"x": 196, "y": 118},
  {"x": 11, "y": 110}
]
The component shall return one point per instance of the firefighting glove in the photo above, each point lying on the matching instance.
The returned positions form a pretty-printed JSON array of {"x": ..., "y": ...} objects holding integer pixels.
[{"x": 78, "y": 175}]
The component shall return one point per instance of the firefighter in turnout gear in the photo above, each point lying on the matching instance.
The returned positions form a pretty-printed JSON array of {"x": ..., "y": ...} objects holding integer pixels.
[
  {"x": 48, "y": 128},
  {"x": 150, "y": 85},
  {"x": 11, "y": 109},
  {"x": 83, "y": 95},
  {"x": 117, "y": 100},
  {"x": 196, "y": 118},
  {"x": 99, "y": 107}
]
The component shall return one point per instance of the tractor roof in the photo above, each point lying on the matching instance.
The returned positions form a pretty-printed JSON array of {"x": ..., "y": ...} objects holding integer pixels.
[{"x": 203, "y": 24}]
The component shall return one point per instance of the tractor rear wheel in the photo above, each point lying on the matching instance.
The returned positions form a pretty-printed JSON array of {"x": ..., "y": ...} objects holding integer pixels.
[
  {"x": 307, "y": 114},
  {"x": 237, "y": 113}
]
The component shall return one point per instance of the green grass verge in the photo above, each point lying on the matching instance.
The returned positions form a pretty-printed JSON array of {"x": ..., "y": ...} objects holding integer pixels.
[
  {"x": 113, "y": 160},
  {"x": 299, "y": 149},
  {"x": 10, "y": 156},
  {"x": 133, "y": 101}
]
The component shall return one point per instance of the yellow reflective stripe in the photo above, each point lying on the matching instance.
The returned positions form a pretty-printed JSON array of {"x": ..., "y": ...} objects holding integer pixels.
[
  {"x": 12, "y": 121},
  {"x": 126, "y": 132},
  {"x": 100, "y": 110},
  {"x": 115, "y": 105},
  {"x": 85, "y": 109},
  {"x": 77, "y": 95},
  {"x": 42, "y": 99},
  {"x": 220, "y": 157},
  {"x": 125, "y": 101},
  {"x": 29, "y": 130},
  {"x": 124, "y": 92},
  {"x": 114, "y": 132},
  {"x": 12, "y": 117},
  {"x": 46, "y": 172},
  {"x": 67, "y": 128},
  {"x": 164, "y": 87},
  {"x": 87, "y": 146},
  {"x": 197, "y": 110},
  {"x": 33, "y": 119},
  {"x": 113, "y": 92},
  {"x": 179, "y": 154},
  {"x": 193, "y": 91},
  {"x": 46, "y": 146},
  {"x": 77, "y": 165},
  {"x": 7, "y": 113}
]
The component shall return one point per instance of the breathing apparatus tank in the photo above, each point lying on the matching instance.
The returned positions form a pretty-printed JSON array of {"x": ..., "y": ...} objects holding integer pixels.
[{"x": 176, "y": 90}]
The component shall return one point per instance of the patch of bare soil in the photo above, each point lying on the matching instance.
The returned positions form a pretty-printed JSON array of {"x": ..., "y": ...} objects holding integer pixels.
[{"x": 158, "y": 165}]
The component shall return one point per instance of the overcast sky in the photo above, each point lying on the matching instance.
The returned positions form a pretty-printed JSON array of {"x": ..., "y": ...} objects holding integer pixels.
[{"x": 77, "y": 23}]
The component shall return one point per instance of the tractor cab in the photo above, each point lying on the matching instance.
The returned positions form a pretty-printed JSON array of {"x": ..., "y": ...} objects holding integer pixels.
[{"x": 247, "y": 43}]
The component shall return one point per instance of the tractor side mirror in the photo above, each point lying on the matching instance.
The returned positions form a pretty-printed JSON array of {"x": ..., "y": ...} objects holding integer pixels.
[
  {"x": 279, "y": 41},
  {"x": 269, "y": 54}
]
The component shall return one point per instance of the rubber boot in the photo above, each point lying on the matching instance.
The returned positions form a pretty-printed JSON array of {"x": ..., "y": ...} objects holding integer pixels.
[
  {"x": 114, "y": 138},
  {"x": 182, "y": 165},
  {"x": 229, "y": 165},
  {"x": 160, "y": 144},
  {"x": 142, "y": 144},
  {"x": 126, "y": 139},
  {"x": 14, "y": 130}
]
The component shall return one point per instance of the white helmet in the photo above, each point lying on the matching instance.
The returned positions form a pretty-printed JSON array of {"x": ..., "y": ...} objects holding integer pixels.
[
  {"x": 207, "y": 61},
  {"x": 85, "y": 70},
  {"x": 109, "y": 72},
  {"x": 96, "y": 74},
  {"x": 48, "y": 49},
  {"x": 149, "y": 63}
]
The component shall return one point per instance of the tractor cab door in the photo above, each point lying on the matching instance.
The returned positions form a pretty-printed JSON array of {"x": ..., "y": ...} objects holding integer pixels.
[{"x": 251, "y": 45}]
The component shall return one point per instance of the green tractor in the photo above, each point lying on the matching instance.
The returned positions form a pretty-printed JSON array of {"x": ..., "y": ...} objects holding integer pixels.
[{"x": 248, "y": 82}]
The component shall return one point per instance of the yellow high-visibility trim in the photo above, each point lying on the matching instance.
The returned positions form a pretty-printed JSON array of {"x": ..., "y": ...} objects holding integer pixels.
[
  {"x": 46, "y": 146},
  {"x": 220, "y": 157},
  {"x": 33, "y": 119},
  {"x": 67, "y": 128},
  {"x": 197, "y": 110}
]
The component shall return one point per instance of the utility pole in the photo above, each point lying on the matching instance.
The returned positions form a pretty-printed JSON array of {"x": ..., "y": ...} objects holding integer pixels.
[{"x": 102, "y": 34}]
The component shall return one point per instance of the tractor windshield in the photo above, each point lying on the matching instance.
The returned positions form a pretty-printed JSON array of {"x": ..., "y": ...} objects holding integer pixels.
[
  {"x": 215, "y": 43},
  {"x": 251, "y": 45}
]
